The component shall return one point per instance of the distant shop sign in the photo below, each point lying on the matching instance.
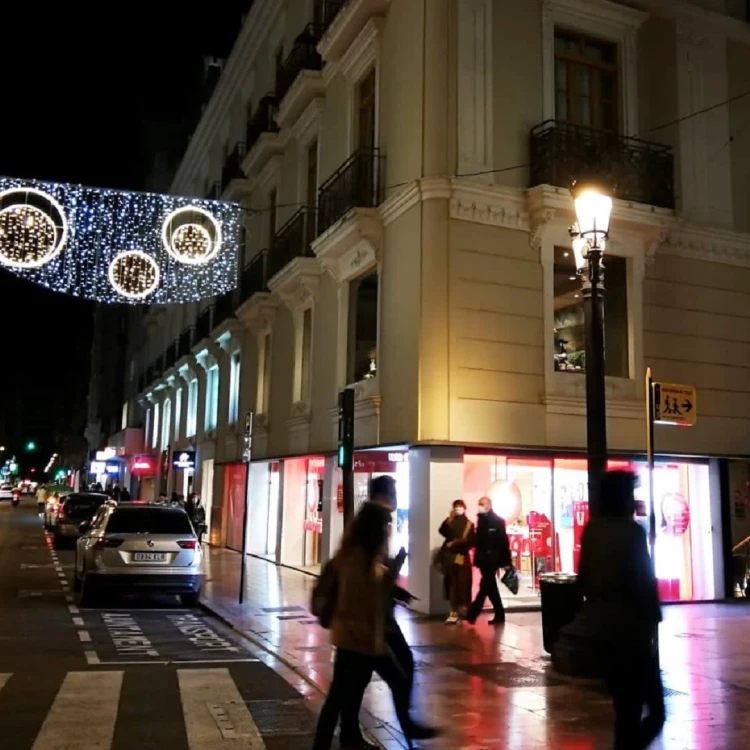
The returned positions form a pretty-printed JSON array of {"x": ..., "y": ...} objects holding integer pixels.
[
  {"x": 143, "y": 465},
  {"x": 184, "y": 460}
]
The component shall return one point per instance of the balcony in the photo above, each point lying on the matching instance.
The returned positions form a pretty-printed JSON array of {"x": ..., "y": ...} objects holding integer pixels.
[
  {"x": 203, "y": 325},
  {"x": 254, "y": 277},
  {"x": 641, "y": 172},
  {"x": 224, "y": 308},
  {"x": 262, "y": 136},
  {"x": 344, "y": 21},
  {"x": 234, "y": 184},
  {"x": 299, "y": 79},
  {"x": 185, "y": 343},
  {"x": 292, "y": 241},
  {"x": 355, "y": 184}
]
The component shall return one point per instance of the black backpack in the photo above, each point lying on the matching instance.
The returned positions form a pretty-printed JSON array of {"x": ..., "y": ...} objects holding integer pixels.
[{"x": 325, "y": 595}]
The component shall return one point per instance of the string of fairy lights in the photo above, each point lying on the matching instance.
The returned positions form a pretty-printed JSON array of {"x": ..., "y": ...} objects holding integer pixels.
[{"x": 116, "y": 246}]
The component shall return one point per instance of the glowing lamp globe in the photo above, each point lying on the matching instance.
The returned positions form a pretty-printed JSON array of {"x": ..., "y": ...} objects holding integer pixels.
[
  {"x": 593, "y": 207},
  {"x": 506, "y": 500}
]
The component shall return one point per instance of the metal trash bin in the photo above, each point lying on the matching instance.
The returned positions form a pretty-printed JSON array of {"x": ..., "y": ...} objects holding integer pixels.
[{"x": 561, "y": 602}]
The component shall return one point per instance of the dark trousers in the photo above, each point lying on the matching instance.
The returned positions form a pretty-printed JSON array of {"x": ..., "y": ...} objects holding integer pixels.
[
  {"x": 634, "y": 681},
  {"x": 487, "y": 588},
  {"x": 351, "y": 674},
  {"x": 396, "y": 669}
]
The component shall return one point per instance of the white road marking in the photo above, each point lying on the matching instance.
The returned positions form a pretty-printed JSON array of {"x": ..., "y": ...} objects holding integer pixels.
[
  {"x": 69, "y": 599},
  {"x": 83, "y": 713},
  {"x": 78, "y": 622},
  {"x": 84, "y": 636},
  {"x": 164, "y": 663},
  {"x": 73, "y": 609},
  {"x": 3, "y": 679},
  {"x": 92, "y": 658},
  {"x": 214, "y": 711}
]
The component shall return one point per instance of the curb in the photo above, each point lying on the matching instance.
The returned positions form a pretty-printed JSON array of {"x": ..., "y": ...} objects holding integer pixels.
[{"x": 226, "y": 621}]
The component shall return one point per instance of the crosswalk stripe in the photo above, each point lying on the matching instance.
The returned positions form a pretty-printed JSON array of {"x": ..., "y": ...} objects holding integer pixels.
[
  {"x": 214, "y": 711},
  {"x": 83, "y": 713}
]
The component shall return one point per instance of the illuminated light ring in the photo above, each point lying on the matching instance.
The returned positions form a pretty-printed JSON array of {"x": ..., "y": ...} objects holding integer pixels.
[
  {"x": 60, "y": 241},
  {"x": 17, "y": 208},
  {"x": 205, "y": 235},
  {"x": 165, "y": 227},
  {"x": 118, "y": 287}
]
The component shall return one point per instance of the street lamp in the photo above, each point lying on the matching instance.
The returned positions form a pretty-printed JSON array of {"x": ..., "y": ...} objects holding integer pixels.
[{"x": 593, "y": 207}]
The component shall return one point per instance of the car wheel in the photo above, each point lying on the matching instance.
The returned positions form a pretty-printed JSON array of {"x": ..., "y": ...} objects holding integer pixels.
[{"x": 191, "y": 599}]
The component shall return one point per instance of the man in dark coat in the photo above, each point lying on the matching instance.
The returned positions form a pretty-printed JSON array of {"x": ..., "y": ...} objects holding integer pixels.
[{"x": 491, "y": 552}]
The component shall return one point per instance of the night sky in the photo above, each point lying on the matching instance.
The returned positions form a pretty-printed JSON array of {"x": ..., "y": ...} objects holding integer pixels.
[{"x": 82, "y": 90}]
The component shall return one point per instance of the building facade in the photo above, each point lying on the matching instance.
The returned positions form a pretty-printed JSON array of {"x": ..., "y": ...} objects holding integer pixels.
[{"x": 405, "y": 167}]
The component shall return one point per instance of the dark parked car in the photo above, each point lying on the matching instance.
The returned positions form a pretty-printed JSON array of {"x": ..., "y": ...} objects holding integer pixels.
[{"x": 73, "y": 511}]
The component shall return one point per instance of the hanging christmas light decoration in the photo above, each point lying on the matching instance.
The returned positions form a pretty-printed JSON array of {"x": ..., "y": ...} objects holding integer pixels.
[
  {"x": 191, "y": 235},
  {"x": 33, "y": 229},
  {"x": 134, "y": 274},
  {"x": 115, "y": 246}
]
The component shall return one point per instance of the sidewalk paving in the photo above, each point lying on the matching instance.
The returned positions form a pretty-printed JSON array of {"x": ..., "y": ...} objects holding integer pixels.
[{"x": 494, "y": 687}]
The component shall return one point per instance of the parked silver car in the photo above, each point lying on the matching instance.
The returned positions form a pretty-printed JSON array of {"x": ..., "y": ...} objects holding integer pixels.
[
  {"x": 139, "y": 547},
  {"x": 73, "y": 510}
]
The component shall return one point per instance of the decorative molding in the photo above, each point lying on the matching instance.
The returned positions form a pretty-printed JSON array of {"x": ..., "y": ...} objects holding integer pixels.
[
  {"x": 575, "y": 406},
  {"x": 364, "y": 53},
  {"x": 539, "y": 221},
  {"x": 297, "y": 283},
  {"x": 495, "y": 205},
  {"x": 605, "y": 20},
  {"x": 714, "y": 246},
  {"x": 399, "y": 203},
  {"x": 352, "y": 245},
  {"x": 346, "y": 29},
  {"x": 257, "y": 314},
  {"x": 308, "y": 86}
]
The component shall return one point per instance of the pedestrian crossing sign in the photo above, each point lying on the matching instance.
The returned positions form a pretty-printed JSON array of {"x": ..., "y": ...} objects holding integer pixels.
[{"x": 675, "y": 404}]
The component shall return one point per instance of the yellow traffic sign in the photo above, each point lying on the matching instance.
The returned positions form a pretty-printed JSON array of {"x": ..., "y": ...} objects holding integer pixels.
[{"x": 675, "y": 404}]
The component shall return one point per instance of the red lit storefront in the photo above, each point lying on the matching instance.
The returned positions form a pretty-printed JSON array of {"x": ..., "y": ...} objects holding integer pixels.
[{"x": 544, "y": 502}]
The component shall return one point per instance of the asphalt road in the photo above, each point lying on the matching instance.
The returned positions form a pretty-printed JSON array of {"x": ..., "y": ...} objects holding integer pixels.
[{"x": 132, "y": 673}]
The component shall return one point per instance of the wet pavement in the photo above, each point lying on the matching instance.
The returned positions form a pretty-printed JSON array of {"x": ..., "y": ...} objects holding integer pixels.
[{"x": 493, "y": 687}]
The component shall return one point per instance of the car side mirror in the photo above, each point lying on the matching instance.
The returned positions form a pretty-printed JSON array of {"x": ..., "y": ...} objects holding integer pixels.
[{"x": 85, "y": 527}]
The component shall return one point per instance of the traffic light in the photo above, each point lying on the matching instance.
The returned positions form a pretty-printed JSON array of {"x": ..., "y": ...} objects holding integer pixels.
[
  {"x": 346, "y": 449},
  {"x": 346, "y": 429},
  {"x": 31, "y": 446}
]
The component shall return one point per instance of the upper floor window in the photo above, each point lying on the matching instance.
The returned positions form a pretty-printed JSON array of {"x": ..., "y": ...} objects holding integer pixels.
[
  {"x": 177, "y": 412},
  {"x": 366, "y": 112},
  {"x": 155, "y": 428},
  {"x": 234, "y": 387},
  {"x": 192, "y": 413},
  {"x": 586, "y": 81},
  {"x": 212, "y": 397},
  {"x": 570, "y": 338},
  {"x": 363, "y": 328}
]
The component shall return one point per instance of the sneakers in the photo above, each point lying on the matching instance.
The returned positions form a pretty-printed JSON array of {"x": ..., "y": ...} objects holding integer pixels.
[{"x": 452, "y": 618}]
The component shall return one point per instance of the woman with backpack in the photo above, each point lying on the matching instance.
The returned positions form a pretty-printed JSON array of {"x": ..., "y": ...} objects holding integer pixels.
[{"x": 363, "y": 592}]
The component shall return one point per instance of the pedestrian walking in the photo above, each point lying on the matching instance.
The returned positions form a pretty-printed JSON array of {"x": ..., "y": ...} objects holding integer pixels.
[
  {"x": 455, "y": 561},
  {"x": 197, "y": 514},
  {"x": 41, "y": 498},
  {"x": 358, "y": 626},
  {"x": 491, "y": 553},
  {"x": 621, "y": 612}
]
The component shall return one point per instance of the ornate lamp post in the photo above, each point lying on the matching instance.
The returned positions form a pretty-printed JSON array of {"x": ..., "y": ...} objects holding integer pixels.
[{"x": 593, "y": 207}]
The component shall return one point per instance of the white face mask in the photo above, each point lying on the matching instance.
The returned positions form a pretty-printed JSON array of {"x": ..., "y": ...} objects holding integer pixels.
[
  {"x": 482, "y": 509},
  {"x": 458, "y": 511}
]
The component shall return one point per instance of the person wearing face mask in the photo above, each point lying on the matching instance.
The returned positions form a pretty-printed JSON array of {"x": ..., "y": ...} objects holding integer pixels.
[
  {"x": 458, "y": 532},
  {"x": 491, "y": 552}
]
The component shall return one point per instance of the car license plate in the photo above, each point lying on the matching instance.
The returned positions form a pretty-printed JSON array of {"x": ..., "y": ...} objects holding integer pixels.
[{"x": 149, "y": 556}]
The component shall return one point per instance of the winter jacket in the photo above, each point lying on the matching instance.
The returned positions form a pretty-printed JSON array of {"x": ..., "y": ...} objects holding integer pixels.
[{"x": 491, "y": 548}]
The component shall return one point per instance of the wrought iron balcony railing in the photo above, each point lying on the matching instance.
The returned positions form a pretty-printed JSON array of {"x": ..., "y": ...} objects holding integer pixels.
[
  {"x": 292, "y": 241},
  {"x": 328, "y": 10},
  {"x": 232, "y": 169},
  {"x": 185, "y": 342},
  {"x": 355, "y": 184},
  {"x": 224, "y": 307},
  {"x": 263, "y": 121},
  {"x": 254, "y": 277},
  {"x": 639, "y": 171},
  {"x": 303, "y": 56},
  {"x": 203, "y": 324}
]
